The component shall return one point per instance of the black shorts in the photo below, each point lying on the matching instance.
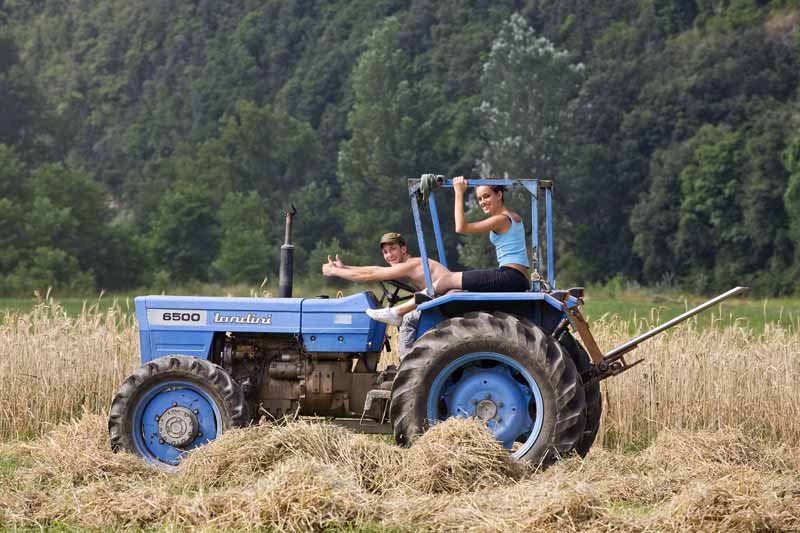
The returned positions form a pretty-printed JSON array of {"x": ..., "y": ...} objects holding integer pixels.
[{"x": 504, "y": 279}]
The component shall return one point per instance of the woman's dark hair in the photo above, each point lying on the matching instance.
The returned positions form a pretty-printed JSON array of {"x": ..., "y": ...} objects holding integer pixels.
[{"x": 498, "y": 188}]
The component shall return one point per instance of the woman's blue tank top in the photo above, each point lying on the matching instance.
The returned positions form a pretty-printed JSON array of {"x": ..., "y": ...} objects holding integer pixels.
[{"x": 510, "y": 246}]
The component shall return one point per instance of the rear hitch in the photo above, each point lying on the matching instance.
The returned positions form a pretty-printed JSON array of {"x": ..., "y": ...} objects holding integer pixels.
[{"x": 613, "y": 362}]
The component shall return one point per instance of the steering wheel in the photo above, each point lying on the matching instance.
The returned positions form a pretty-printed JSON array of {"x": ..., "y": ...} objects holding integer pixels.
[{"x": 394, "y": 297}]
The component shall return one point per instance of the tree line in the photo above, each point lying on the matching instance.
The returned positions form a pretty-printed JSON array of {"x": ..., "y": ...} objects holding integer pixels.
[{"x": 161, "y": 142}]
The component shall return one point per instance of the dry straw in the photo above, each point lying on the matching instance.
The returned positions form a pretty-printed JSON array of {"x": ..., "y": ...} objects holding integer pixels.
[
  {"x": 708, "y": 427},
  {"x": 240, "y": 455},
  {"x": 720, "y": 481},
  {"x": 456, "y": 458}
]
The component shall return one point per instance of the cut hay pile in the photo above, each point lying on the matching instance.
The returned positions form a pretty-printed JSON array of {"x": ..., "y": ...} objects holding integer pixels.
[{"x": 306, "y": 476}]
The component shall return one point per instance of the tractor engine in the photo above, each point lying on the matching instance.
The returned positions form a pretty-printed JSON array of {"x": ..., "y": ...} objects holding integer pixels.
[{"x": 279, "y": 378}]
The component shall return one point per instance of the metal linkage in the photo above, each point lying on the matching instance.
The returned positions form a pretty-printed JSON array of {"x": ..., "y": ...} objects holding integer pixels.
[
  {"x": 613, "y": 362},
  {"x": 579, "y": 324},
  {"x": 631, "y": 344}
]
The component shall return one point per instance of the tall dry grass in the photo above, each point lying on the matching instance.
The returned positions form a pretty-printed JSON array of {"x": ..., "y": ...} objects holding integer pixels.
[
  {"x": 721, "y": 376},
  {"x": 54, "y": 366}
]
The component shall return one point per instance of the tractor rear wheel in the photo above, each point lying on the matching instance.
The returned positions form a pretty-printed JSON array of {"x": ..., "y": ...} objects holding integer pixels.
[
  {"x": 594, "y": 399},
  {"x": 499, "y": 369},
  {"x": 174, "y": 404}
]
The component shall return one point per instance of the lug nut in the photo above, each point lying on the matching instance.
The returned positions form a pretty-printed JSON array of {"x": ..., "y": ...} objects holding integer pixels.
[
  {"x": 473, "y": 401},
  {"x": 488, "y": 396},
  {"x": 500, "y": 404},
  {"x": 197, "y": 411}
]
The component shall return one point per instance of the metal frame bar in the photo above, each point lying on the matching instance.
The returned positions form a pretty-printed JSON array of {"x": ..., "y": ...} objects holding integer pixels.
[
  {"x": 421, "y": 240},
  {"x": 437, "y": 231},
  {"x": 414, "y": 184},
  {"x": 533, "y": 188},
  {"x": 548, "y": 205},
  {"x": 531, "y": 185}
]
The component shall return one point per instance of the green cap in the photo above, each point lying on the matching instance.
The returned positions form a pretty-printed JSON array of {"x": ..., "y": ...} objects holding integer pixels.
[{"x": 392, "y": 238}]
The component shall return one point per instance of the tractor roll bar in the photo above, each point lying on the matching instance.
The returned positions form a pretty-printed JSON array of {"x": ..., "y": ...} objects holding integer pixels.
[{"x": 415, "y": 192}]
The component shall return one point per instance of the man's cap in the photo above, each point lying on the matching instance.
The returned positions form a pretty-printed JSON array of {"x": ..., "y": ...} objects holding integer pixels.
[{"x": 392, "y": 238}]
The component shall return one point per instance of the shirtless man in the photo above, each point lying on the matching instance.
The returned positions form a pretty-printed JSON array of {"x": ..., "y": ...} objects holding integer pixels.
[{"x": 402, "y": 267}]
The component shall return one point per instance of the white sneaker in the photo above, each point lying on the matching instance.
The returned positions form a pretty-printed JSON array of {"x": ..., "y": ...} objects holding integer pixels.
[{"x": 387, "y": 315}]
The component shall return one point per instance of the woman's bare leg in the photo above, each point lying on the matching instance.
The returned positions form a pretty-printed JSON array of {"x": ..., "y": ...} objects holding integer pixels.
[{"x": 447, "y": 282}]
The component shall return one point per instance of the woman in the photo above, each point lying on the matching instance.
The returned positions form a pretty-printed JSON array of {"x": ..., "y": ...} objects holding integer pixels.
[{"x": 507, "y": 234}]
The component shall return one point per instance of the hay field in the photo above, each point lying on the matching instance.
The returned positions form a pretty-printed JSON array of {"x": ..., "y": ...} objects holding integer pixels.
[{"x": 699, "y": 437}]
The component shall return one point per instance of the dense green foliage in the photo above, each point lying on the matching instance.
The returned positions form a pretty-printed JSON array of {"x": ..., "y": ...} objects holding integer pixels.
[{"x": 163, "y": 141}]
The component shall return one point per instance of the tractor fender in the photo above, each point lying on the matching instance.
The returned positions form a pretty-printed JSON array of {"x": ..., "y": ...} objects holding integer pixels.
[{"x": 542, "y": 309}]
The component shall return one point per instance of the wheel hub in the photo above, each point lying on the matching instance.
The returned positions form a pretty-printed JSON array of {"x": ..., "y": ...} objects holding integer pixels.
[
  {"x": 486, "y": 409},
  {"x": 493, "y": 396},
  {"x": 178, "y": 426}
]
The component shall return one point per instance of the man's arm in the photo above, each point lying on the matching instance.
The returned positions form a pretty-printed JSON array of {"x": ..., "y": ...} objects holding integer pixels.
[{"x": 368, "y": 273}]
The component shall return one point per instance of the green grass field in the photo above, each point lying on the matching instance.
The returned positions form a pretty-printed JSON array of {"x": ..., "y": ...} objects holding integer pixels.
[
  {"x": 653, "y": 307},
  {"x": 634, "y": 306}
]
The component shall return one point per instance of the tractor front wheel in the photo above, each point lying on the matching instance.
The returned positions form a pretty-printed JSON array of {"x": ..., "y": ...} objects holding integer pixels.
[
  {"x": 174, "y": 404},
  {"x": 501, "y": 370}
]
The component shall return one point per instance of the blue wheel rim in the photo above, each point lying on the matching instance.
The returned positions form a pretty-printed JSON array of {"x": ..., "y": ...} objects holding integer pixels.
[
  {"x": 154, "y": 402},
  {"x": 490, "y": 383}
]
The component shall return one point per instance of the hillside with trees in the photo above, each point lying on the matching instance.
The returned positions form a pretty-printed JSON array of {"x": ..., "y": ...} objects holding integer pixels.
[{"x": 161, "y": 142}]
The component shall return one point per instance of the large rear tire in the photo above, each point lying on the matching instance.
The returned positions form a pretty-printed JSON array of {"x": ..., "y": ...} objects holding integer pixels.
[
  {"x": 174, "y": 404},
  {"x": 594, "y": 399},
  {"x": 497, "y": 368}
]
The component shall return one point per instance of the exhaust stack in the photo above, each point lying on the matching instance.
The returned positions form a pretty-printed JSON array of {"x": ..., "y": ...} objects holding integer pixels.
[{"x": 286, "y": 275}]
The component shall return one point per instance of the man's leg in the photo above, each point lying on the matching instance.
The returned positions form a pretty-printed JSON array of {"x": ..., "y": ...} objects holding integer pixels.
[
  {"x": 408, "y": 333},
  {"x": 406, "y": 307},
  {"x": 392, "y": 315}
]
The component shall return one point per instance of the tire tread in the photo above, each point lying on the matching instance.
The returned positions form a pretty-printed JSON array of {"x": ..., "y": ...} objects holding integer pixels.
[{"x": 473, "y": 332}]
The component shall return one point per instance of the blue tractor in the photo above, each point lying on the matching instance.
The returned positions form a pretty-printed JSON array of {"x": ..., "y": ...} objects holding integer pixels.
[{"x": 508, "y": 359}]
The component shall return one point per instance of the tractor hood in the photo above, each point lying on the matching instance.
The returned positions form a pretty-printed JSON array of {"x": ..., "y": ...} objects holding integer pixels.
[{"x": 187, "y": 324}]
